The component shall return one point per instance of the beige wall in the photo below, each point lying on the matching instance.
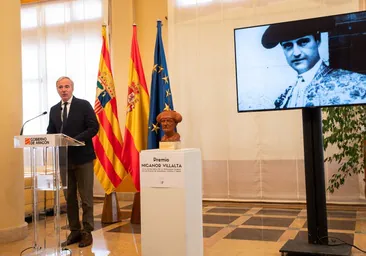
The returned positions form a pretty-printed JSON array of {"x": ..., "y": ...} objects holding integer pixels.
[
  {"x": 145, "y": 14},
  {"x": 12, "y": 179},
  {"x": 121, "y": 33}
]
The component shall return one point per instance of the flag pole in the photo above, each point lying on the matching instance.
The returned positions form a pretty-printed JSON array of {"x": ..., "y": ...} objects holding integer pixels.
[
  {"x": 111, "y": 211},
  {"x": 136, "y": 209}
]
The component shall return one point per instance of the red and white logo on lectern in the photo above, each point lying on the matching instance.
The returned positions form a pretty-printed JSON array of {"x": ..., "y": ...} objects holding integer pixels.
[
  {"x": 36, "y": 141},
  {"x": 27, "y": 141}
]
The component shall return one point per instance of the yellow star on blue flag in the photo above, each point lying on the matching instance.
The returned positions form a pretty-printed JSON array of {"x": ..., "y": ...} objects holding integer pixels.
[{"x": 155, "y": 128}]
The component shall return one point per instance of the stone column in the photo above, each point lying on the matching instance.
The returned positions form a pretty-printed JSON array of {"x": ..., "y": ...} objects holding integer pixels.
[{"x": 12, "y": 224}]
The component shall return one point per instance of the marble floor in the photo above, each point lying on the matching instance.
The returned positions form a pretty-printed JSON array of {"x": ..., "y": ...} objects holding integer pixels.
[{"x": 228, "y": 228}]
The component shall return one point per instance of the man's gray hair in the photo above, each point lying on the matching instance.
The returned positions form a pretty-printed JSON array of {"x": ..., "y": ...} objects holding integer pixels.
[{"x": 65, "y": 77}]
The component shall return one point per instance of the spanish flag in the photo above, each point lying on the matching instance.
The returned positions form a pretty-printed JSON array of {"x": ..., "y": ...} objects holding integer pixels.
[
  {"x": 137, "y": 114},
  {"x": 108, "y": 142}
]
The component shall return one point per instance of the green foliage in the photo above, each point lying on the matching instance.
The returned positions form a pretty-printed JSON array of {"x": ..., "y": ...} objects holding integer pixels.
[{"x": 344, "y": 127}]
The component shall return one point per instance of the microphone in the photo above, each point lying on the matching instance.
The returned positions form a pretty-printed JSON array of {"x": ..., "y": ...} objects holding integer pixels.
[{"x": 21, "y": 131}]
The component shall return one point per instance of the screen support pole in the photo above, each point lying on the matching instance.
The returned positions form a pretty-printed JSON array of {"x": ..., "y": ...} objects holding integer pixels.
[
  {"x": 314, "y": 176},
  {"x": 317, "y": 243}
]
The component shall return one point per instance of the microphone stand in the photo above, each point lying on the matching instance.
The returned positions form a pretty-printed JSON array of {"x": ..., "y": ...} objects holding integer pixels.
[{"x": 21, "y": 131}]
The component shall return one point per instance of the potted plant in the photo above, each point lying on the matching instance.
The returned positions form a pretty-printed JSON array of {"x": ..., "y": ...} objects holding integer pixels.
[{"x": 344, "y": 127}]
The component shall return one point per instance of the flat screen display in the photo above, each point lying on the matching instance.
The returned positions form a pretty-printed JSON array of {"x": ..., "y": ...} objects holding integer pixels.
[{"x": 317, "y": 62}]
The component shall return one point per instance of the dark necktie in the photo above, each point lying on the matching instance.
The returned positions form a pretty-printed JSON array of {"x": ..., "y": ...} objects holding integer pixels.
[{"x": 64, "y": 116}]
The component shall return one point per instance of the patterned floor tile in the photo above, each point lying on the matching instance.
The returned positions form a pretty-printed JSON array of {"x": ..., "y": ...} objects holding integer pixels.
[
  {"x": 342, "y": 214},
  {"x": 218, "y": 219},
  {"x": 333, "y": 237},
  {"x": 99, "y": 225},
  {"x": 124, "y": 215},
  {"x": 127, "y": 207},
  {"x": 210, "y": 231},
  {"x": 228, "y": 210},
  {"x": 269, "y": 221},
  {"x": 338, "y": 224},
  {"x": 255, "y": 234},
  {"x": 220, "y": 222},
  {"x": 278, "y": 212},
  {"x": 98, "y": 201},
  {"x": 127, "y": 228},
  {"x": 341, "y": 224}
]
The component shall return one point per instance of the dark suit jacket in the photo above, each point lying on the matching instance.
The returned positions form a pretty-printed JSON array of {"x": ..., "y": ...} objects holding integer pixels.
[{"x": 81, "y": 125}]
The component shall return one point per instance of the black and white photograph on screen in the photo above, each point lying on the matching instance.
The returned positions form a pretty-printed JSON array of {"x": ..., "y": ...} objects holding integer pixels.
[{"x": 305, "y": 63}]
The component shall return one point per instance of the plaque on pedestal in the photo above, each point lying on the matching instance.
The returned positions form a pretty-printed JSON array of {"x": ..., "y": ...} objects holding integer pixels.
[{"x": 169, "y": 145}]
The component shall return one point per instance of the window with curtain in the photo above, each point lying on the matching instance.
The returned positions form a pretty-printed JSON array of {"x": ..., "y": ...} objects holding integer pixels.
[{"x": 59, "y": 38}]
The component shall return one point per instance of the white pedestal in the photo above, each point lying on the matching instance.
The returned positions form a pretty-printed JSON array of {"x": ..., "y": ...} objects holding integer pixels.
[{"x": 171, "y": 202}]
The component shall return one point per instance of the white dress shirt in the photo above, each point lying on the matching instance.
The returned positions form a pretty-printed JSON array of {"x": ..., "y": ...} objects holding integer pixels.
[
  {"x": 297, "y": 99},
  {"x": 67, "y": 107}
]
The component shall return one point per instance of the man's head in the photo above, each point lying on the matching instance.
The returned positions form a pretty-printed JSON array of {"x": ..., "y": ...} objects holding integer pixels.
[
  {"x": 302, "y": 53},
  {"x": 169, "y": 120},
  {"x": 65, "y": 88},
  {"x": 300, "y": 41}
]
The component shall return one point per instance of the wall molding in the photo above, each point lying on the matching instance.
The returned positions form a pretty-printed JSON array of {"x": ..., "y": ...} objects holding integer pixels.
[{"x": 12, "y": 234}]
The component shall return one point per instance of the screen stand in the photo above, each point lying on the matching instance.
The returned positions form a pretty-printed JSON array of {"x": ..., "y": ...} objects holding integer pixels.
[{"x": 317, "y": 243}]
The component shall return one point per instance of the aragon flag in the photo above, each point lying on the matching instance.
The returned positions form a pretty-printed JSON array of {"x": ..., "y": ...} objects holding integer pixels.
[
  {"x": 108, "y": 142},
  {"x": 137, "y": 114},
  {"x": 160, "y": 93}
]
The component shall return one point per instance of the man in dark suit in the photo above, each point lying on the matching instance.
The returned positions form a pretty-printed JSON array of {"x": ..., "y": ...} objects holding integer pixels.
[
  {"x": 316, "y": 84},
  {"x": 76, "y": 118}
]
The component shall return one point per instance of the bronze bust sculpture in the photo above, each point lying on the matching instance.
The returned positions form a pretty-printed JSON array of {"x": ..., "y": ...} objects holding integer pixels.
[{"x": 169, "y": 120}]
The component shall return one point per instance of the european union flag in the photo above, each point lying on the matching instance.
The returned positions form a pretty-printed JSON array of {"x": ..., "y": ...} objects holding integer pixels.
[{"x": 160, "y": 93}]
